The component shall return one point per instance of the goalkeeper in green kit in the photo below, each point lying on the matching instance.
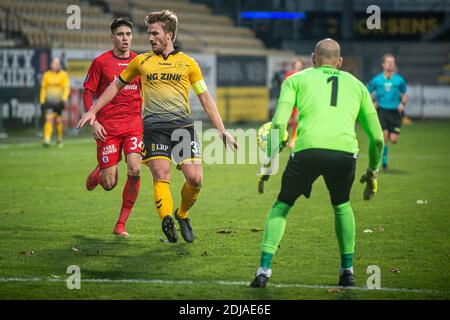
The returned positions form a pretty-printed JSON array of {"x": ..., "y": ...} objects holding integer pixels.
[{"x": 330, "y": 102}]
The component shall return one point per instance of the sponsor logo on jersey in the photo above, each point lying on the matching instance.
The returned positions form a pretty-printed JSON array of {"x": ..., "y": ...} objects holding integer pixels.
[
  {"x": 180, "y": 65},
  {"x": 122, "y": 64},
  {"x": 108, "y": 150},
  {"x": 164, "y": 76},
  {"x": 128, "y": 86},
  {"x": 105, "y": 159}
]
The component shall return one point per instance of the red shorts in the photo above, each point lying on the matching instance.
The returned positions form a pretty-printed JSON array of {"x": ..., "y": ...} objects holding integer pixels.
[{"x": 109, "y": 152}]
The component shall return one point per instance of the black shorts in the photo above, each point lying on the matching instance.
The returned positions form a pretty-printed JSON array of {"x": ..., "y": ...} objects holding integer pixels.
[
  {"x": 391, "y": 120},
  {"x": 54, "y": 107},
  {"x": 179, "y": 144},
  {"x": 304, "y": 167}
]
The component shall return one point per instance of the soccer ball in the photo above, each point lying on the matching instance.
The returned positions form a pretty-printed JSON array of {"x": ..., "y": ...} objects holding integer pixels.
[{"x": 263, "y": 135}]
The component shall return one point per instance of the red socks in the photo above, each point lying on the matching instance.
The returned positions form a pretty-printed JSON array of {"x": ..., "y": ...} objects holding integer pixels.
[{"x": 129, "y": 195}]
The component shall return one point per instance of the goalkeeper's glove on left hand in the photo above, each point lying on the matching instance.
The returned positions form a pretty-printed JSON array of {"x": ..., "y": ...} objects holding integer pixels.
[
  {"x": 263, "y": 174},
  {"x": 370, "y": 178}
]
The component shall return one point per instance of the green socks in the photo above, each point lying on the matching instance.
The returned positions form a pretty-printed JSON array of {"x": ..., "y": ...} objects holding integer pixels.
[
  {"x": 273, "y": 232},
  {"x": 345, "y": 232}
]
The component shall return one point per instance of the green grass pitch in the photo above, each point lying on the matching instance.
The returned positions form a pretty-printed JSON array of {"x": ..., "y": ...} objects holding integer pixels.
[{"x": 45, "y": 208}]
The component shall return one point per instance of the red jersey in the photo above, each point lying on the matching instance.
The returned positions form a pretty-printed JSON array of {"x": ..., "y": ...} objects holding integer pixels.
[{"x": 123, "y": 113}]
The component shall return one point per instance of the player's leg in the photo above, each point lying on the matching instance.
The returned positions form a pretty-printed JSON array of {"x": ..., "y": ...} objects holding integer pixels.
[
  {"x": 132, "y": 149},
  {"x": 109, "y": 177},
  {"x": 186, "y": 152},
  {"x": 301, "y": 171},
  {"x": 339, "y": 177},
  {"x": 156, "y": 154},
  {"x": 108, "y": 156},
  {"x": 161, "y": 171},
  {"x": 193, "y": 174},
  {"x": 48, "y": 126},
  {"x": 393, "y": 137},
  {"x": 59, "y": 125},
  {"x": 394, "y": 128}
]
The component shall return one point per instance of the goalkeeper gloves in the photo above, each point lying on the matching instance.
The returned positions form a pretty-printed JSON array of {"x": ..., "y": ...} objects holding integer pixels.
[
  {"x": 263, "y": 174},
  {"x": 370, "y": 178}
]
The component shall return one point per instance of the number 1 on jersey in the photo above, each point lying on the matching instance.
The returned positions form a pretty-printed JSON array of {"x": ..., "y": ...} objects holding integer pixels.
[{"x": 334, "y": 90}]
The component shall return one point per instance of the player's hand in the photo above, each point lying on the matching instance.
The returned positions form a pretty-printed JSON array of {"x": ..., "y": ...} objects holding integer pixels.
[
  {"x": 229, "y": 141},
  {"x": 87, "y": 117},
  {"x": 98, "y": 131},
  {"x": 401, "y": 107},
  {"x": 370, "y": 178},
  {"x": 264, "y": 173}
]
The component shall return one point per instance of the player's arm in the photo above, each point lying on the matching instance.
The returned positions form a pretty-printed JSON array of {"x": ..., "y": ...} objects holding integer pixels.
[
  {"x": 275, "y": 140},
  {"x": 43, "y": 91},
  {"x": 66, "y": 87},
  {"x": 125, "y": 78},
  {"x": 283, "y": 112},
  {"x": 90, "y": 86},
  {"x": 208, "y": 104},
  {"x": 210, "y": 108},
  {"x": 102, "y": 101},
  {"x": 403, "y": 97},
  {"x": 370, "y": 123}
]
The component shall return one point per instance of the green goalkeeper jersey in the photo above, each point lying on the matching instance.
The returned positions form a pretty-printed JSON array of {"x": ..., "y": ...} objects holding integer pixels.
[{"x": 329, "y": 102}]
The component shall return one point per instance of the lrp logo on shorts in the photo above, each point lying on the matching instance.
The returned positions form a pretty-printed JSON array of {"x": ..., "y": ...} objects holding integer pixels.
[
  {"x": 105, "y": 159},
  {"x": 159, "y": 147}
]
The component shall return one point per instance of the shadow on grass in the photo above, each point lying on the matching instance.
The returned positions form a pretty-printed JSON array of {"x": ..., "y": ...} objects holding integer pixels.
[{"x": 119, "y": 258}]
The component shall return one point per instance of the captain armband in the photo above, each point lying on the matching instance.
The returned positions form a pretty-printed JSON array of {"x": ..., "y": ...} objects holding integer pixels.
[{"x": 199, "y": 87}]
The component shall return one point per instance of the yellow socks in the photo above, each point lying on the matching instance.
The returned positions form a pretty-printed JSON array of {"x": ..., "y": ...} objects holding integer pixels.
[
  {"x": 59, "y": 130},
  {"x": 48, "y": 129},
  {"x": 188, "y": 197},
  {"x": 163, "y": 198}
]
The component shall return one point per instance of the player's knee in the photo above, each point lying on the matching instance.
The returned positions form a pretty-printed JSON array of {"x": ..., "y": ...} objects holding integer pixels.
[
  {"x": 195, "y": 181},
  {"x": 134, "y": 170},
  {"x": 108, "y": 184}
]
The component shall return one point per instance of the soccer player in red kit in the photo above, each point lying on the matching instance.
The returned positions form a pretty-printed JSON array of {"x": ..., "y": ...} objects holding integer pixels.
[{"x": 118, "y": 125}]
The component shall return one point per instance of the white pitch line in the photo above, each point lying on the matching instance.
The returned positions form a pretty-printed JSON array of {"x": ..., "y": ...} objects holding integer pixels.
[{"x": 214, "y": 282}]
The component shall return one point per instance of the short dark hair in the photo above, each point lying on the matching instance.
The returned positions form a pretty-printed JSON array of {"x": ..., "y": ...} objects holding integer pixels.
[{"x": 120, "y": 22}]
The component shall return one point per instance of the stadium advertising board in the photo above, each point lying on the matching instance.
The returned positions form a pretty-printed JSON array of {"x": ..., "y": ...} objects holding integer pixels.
[
  {"x": 242, "y": 93},
  {"x": 20, "y": 74},
  {"x": 428, "y": 102}
]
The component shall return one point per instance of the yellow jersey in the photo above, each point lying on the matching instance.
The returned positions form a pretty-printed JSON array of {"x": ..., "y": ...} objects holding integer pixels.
[
  {"x": 55, "y": 87},
  {"x": 165, "y": 85}
]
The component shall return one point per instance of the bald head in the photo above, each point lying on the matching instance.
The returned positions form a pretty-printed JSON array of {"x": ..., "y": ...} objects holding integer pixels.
[
  {"x": 55, "y": 65},
  {"x": 327, "y": 52}
]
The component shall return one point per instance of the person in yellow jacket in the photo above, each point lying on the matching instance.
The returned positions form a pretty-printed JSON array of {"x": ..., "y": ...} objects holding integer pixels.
[{"x": 55, "y": 89}]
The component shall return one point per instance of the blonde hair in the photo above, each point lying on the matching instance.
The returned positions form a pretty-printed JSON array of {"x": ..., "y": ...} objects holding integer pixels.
[{"x": 167, "y": 18}]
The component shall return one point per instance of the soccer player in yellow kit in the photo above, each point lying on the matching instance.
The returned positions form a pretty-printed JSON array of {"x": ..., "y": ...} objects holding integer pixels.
[
  {"x": 55, "y": 89},
  {"x": 167, "y": 75}
]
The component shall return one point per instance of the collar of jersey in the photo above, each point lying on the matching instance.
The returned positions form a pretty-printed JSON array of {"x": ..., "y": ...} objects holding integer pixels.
[
  {"x": 174, "y": 52},
  {"x": 327, "y": 66},
  {"x": 119, "y": 58}
]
